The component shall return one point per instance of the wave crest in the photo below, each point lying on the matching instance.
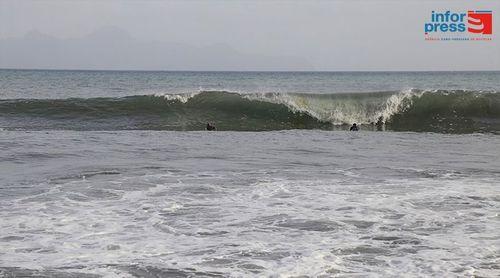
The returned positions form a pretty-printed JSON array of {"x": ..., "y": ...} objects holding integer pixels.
[{"x": 345, "y": 108}]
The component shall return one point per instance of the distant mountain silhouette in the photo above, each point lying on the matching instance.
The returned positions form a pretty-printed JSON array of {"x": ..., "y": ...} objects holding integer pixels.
[{"x": 112, "y": 48}]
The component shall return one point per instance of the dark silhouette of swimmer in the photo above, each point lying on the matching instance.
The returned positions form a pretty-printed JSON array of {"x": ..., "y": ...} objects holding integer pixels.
[
  {"x": 211, "y": 127},
  {"x": 354, "y": 127}
]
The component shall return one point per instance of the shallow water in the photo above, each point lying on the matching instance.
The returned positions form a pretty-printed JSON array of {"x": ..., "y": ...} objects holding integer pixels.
[{"x": 282, "y": 203}]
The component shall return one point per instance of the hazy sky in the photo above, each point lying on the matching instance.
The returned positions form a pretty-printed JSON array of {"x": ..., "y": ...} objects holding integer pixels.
[{"x": 246, "y": 35}]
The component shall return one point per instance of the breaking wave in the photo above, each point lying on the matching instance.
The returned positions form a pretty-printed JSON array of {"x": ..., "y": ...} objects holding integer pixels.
[{"x": 456, "y": 111}]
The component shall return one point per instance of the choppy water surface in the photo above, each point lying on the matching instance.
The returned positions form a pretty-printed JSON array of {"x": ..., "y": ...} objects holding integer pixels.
[
  {"x": 60, "y": 84},
  {"x": 282, "y": 203},
  {"x": 103, "y": 174}
]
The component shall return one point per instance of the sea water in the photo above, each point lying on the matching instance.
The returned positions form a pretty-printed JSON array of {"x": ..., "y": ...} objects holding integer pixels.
[{"x": 80, "y": 197}]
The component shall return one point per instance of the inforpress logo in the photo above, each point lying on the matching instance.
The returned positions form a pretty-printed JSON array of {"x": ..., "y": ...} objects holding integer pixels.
[
  {"x": 470, "y": 25},
  {"x": 480, "y": 22}
]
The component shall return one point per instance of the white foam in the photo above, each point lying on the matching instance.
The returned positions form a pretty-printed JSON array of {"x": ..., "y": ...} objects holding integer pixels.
[
  {"x": 343, "y": 110},
  {"x": 183, "y": 97},
  {"x": 283, "y": 219}
]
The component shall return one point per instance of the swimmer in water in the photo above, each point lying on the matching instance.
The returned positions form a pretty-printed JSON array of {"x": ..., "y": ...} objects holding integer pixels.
[
  {"x": 211, "y": 127},
  {"x": 354, "y": 127}
]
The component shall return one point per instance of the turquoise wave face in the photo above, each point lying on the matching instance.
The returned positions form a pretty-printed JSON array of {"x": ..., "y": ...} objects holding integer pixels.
[{"x": 412, "y": 110}]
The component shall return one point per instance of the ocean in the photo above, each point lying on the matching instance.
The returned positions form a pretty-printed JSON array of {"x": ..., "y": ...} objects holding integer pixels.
[{"x": 111, "y": 174}]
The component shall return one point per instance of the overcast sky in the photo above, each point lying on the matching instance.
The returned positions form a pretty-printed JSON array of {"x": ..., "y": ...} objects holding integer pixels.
[{"x": 237, "y": 35}]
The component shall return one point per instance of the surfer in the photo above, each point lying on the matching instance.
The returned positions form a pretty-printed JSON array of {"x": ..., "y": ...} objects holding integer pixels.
[
  {"x": 211, "y": 127},
  {"x": 354, "y": 127}
]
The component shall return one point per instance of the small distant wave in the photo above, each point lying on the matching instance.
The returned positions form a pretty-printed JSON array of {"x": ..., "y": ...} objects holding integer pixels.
[{"x": 450, "y": 111}]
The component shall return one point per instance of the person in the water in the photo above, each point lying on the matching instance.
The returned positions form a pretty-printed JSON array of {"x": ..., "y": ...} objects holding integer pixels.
[
  {"x": 211, "y": 127},
  {"x": 354, "y": 127}
]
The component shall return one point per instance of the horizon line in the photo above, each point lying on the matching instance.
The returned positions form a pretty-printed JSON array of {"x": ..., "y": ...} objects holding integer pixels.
[{"x": 242, "y": 71}]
